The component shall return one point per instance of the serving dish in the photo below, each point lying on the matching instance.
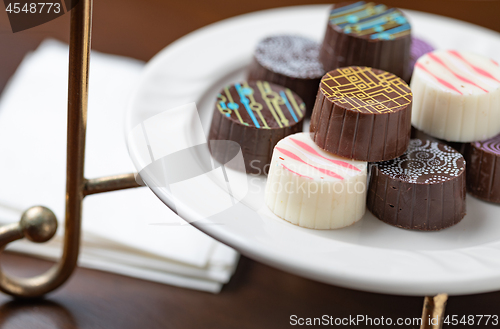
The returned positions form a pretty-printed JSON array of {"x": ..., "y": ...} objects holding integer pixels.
[{"x": 166, "y": 127}]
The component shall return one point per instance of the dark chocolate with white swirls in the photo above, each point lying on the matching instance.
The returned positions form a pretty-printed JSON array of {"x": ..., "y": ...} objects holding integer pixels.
[
  {"x": 255, "y": 115},
  {"x": 424, "y": 189},
  {"x": 290, "y": 61},
  {"x": 417, "y": 133},
  {"x": 367, "y": 34},
  {"x": 483, "y": 174}
]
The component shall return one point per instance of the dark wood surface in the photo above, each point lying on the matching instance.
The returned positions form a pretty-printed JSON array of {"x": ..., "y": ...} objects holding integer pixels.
[{"x": 257, "y": 296}]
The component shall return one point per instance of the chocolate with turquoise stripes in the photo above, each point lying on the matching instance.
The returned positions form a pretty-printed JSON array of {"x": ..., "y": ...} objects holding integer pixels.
[
  {"x": 367, "y": 34},
  {"x": 255, "y": 115}
]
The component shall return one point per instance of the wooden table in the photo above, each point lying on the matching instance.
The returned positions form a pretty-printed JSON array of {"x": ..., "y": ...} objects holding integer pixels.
[{"x": 257, "y": 296}]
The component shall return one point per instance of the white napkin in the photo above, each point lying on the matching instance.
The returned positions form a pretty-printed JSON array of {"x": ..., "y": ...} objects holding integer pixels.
[{"x": 129, "y": 232}]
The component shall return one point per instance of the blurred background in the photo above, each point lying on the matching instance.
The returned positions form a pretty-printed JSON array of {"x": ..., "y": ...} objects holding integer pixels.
[{"x": 141, "y": 28}]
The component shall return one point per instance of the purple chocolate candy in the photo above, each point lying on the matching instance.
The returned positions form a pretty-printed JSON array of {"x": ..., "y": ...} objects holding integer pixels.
[
  {"x": 483, "y": 169},
  {"x": 419, "y": 47}
]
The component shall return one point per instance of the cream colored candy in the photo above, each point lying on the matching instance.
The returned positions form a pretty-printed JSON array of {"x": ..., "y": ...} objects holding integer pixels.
[
  {"x": 456, "y": 96},
  {"x": 313, "y": 188}
]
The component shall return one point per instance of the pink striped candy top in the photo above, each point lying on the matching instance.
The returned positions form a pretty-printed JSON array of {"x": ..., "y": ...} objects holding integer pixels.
[
  {"x": 301, "y": 156},
  {"x": 460, "y": 73}
]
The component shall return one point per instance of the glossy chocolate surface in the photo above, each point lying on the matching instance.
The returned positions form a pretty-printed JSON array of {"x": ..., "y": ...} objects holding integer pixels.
[
  {"x": 290, "y": 61},
  {"x": 424, "y": 189},
  {"x": 419, "y": 47},
  {"x": 367, "y": 34},
  {"x": 417, "y": 133},
  {"x": 362, "y": 114},
  {"x": 255, "y": 115},
  {"x": 483, "y": 169}
]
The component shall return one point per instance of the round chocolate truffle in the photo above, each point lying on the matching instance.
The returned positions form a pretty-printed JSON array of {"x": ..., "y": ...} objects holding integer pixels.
[
  {"x": 367, "y": 34},
  {"x": 415, "y": 133},
  {"x": 456, "y": 96},
  {"x": 424, "y": 189},
  {"x": 483, "y": 164},
  {"x": 255, "y": 115},
  {"x": 362, "y": 114},
  {"x": 313, "y": 188},
  {"x": 290, "y": 61}
]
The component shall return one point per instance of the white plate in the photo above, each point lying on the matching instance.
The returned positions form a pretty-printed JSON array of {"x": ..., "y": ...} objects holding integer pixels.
[{"x": 229, "y": 206}]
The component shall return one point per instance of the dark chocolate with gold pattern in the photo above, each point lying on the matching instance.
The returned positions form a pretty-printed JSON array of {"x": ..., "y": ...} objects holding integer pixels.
[{"x": 362, "y": 114}]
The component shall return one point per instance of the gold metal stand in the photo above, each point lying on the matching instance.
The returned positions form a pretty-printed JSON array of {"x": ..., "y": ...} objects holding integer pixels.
[
  {"x": 433, "y": 312},
  {"x": 38, "y": 223}
]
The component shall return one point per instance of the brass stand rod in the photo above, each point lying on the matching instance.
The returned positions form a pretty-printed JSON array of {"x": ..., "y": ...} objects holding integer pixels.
[
  {"x": 110, "y": 183},
  {"x": 39, "y": 223},
  {"x": 433, "y": 311},
  {"x": 78, "y": 85},
  {"x": 9, "y": 233}
]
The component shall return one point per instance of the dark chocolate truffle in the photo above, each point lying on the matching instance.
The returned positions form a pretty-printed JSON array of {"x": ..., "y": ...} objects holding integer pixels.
[
  {"x": 289, "y": 61},
  {"x": 362, "y": 114},
  {"x": 255, "y": 115},
  {"x": 483, "y": 169},
  {"x": 416, "y": 133},
  {"x": 424, "y": 189},
  {"x": 367, "y": 34}
]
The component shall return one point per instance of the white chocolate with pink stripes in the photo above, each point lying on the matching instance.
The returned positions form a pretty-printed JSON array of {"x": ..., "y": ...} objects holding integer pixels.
[
  {"x": 313, "y": 188},
  {"x": 456, "y": 96}
]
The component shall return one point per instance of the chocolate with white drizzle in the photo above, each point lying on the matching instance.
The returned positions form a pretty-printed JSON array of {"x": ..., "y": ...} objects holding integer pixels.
[
  {"x": 424, "y": 189},
  {"x": 290, "y": 61}
]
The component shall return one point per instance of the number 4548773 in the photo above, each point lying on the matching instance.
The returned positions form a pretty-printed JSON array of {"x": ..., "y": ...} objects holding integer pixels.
[
  {"x": 471, "y": 320},
  {"x": 34, "y": 8}
]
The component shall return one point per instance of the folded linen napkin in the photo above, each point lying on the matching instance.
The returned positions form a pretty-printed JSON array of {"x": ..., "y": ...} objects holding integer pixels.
[{"x": 129, "y": 232}]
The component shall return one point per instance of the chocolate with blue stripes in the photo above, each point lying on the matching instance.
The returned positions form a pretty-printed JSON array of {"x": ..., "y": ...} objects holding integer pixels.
[
  {"x": 367, "y": 34},
  {"x": 255, "y": 115}
]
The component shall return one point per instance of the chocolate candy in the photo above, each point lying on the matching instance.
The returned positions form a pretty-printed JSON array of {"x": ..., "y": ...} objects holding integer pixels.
[
  {"x": 313, "y": 188},
  {"x": 289, "y": 61},
  {"x": 483, "y": 169},
  {"x": 362, "y": 114},
  {"x": 419, "y": 48},
  {"x": 424, "y": 189},
  {"x": 255, "y": 115},
  {"x": 456, "y": 96},
  {"x": 415, "y": 133},
  {"x": 367, "y": 34}
]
